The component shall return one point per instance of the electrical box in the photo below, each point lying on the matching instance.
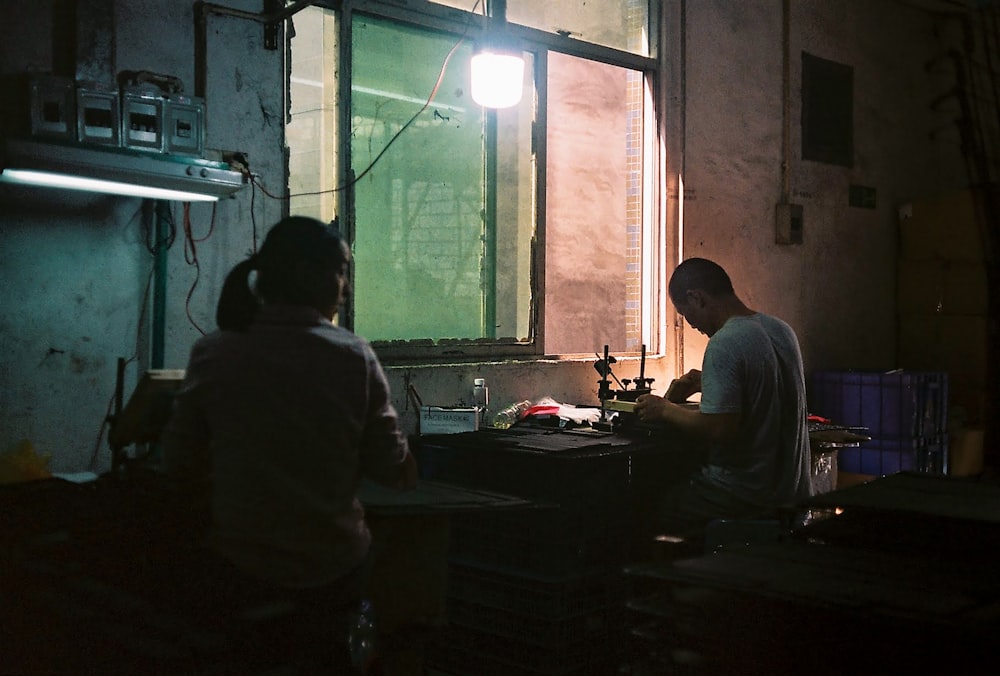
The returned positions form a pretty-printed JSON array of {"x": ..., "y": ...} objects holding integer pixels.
[
  {"x": 862, "y": 196},
  {"x": 38, "y": 105},
  {"x": 788, "y": 224},
  {"x": 184, "y": 125},
  {"x": 142, "y": 118},
  {"x": 98, "y": 115},
  {"x": 52, "y": 107}
]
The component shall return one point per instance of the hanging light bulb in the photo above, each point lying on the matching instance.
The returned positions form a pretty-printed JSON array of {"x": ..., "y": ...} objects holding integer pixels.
[
  {"x": 497, "y": 78},
  {"x": 497, "y": 70}
]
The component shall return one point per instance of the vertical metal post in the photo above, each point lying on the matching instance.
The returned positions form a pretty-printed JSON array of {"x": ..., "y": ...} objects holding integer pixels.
[
  {"x": 345, "y": 198},
  {"x": 117, "y": 452},
  {"x": 489, "y": 250},
  {"x": 496, "y": 11}
]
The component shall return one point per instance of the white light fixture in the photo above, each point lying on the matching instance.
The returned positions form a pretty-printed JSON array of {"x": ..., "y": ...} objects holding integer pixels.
[
  {"x": 497, "y": 69},
  {"x": 497, "y": 78},
  {"x": 116, "y": 171}
]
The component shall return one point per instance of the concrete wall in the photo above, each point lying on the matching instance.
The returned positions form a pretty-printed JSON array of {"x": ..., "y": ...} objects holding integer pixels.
[
  {"x": 837, "y": 288},
  {"x": 74, "y": 268}
]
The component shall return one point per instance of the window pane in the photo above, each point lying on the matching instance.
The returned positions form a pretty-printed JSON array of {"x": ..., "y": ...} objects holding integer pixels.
[
  {"x": 594, "y": 207},
  {"x": 621, "y": 24},
  {"x": 444, "y": 220},
  {"x": 429, "y": 263}
]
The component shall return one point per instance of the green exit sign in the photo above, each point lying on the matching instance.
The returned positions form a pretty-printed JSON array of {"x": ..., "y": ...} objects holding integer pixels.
[{"x": 862, "y": 196}]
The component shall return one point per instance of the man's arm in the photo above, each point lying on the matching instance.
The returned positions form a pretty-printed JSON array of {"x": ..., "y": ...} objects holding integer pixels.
[
  {"x": 682, "y": 388},
  {"x": 714, "y": 427}
]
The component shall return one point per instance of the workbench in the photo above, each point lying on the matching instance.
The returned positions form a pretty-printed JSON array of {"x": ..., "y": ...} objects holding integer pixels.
[
  {"x": 900, "y": 575},
  {"x": 541, "y": 591},
  {"x": 510, "y": 549},
  {"x": 88, "y": 573}
]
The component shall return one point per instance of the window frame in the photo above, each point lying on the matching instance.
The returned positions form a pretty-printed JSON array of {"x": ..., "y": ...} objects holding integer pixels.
[{"x": 433, "y": 16}]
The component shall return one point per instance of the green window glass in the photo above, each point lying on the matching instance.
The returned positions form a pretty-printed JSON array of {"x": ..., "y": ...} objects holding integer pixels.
[
  {"x": 426, "y": 236},
  {"x": 419, "y": 225},
  {"x": 476, "y": 233}
]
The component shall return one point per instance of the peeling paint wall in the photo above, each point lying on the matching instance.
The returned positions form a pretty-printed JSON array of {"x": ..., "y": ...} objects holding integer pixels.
[
  {"x": 837, "y": 288},
  {"x": 74, "y": 268}
]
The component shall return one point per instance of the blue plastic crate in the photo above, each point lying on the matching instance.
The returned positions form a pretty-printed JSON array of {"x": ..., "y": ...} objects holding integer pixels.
[
  {"x": 890, "y": 405},
  {"x": 889, "y": 456}
]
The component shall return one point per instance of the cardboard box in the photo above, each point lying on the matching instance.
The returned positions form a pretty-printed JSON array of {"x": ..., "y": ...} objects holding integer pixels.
[
  {"x": 966, "y": 452},
  {"x": 971, "y": 401},
  {"x": 444, "y": 420}
]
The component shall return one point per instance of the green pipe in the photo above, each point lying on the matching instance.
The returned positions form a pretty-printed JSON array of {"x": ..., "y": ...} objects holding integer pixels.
[{"x": 161, "y": 220}]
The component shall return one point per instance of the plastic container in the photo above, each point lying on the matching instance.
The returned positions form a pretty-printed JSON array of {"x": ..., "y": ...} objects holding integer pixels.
[
  {"x": 890, "y": 405},
  {"x": 887, "y": 456},
  {"x": 508, "y": 416}
]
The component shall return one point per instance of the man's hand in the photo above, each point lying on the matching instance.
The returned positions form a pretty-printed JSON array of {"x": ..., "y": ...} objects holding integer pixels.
[
  {"x": 651, "y": 408},
  {"x": 716, "y": 427},
  {"x": 682, "y": 388}
]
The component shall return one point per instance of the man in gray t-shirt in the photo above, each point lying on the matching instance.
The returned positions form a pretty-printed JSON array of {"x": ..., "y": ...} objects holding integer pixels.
[{"x": 753, "y": 406}]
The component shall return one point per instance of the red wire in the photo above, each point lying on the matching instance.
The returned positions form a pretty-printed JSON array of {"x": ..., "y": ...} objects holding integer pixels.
[
  {"x": 191, "y": 257},
  {"x": 134, "y": 357}
]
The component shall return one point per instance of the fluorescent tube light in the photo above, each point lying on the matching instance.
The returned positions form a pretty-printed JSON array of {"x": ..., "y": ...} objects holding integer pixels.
[
  {"x": 68, "y": 182},
  {"x": 116, "y": 171}
]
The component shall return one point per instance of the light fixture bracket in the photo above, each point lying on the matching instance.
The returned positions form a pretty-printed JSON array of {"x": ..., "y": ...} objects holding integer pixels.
[{"x": 116, "y": 170}]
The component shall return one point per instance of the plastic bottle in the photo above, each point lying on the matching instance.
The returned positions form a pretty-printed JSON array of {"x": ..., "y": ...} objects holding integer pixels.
[
  {"x": 510, "y": 415},
  {"x": 481, "y": 398}
]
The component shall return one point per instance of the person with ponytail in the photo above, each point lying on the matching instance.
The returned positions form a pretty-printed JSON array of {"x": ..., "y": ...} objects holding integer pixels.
[{"x": 280, "y": 416}]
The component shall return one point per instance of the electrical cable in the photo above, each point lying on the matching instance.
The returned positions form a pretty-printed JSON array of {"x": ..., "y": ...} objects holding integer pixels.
[
  {"x": 152, "y": 246},
  {"x": 135, "y": 355},
  {"x": 191, "y": 257},
  {"x": 253, "y": 216},
  {"x": 430, "y": 98}
]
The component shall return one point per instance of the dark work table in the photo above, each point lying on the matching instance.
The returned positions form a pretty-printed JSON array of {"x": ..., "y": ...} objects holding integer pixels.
[
  {"x": 601, "y": 488},
  {"x": 894, "y": 575},
  {"x": 541, "y": 590},
  {"x": 920, "y": 515},
  {"x": 82, "y": 583},
  {"x": 918, "y": 494},
  {"x": 546, "y": 463},
  {"x": 797, "y": 607},
  {"x": 88, "y": 583}
]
